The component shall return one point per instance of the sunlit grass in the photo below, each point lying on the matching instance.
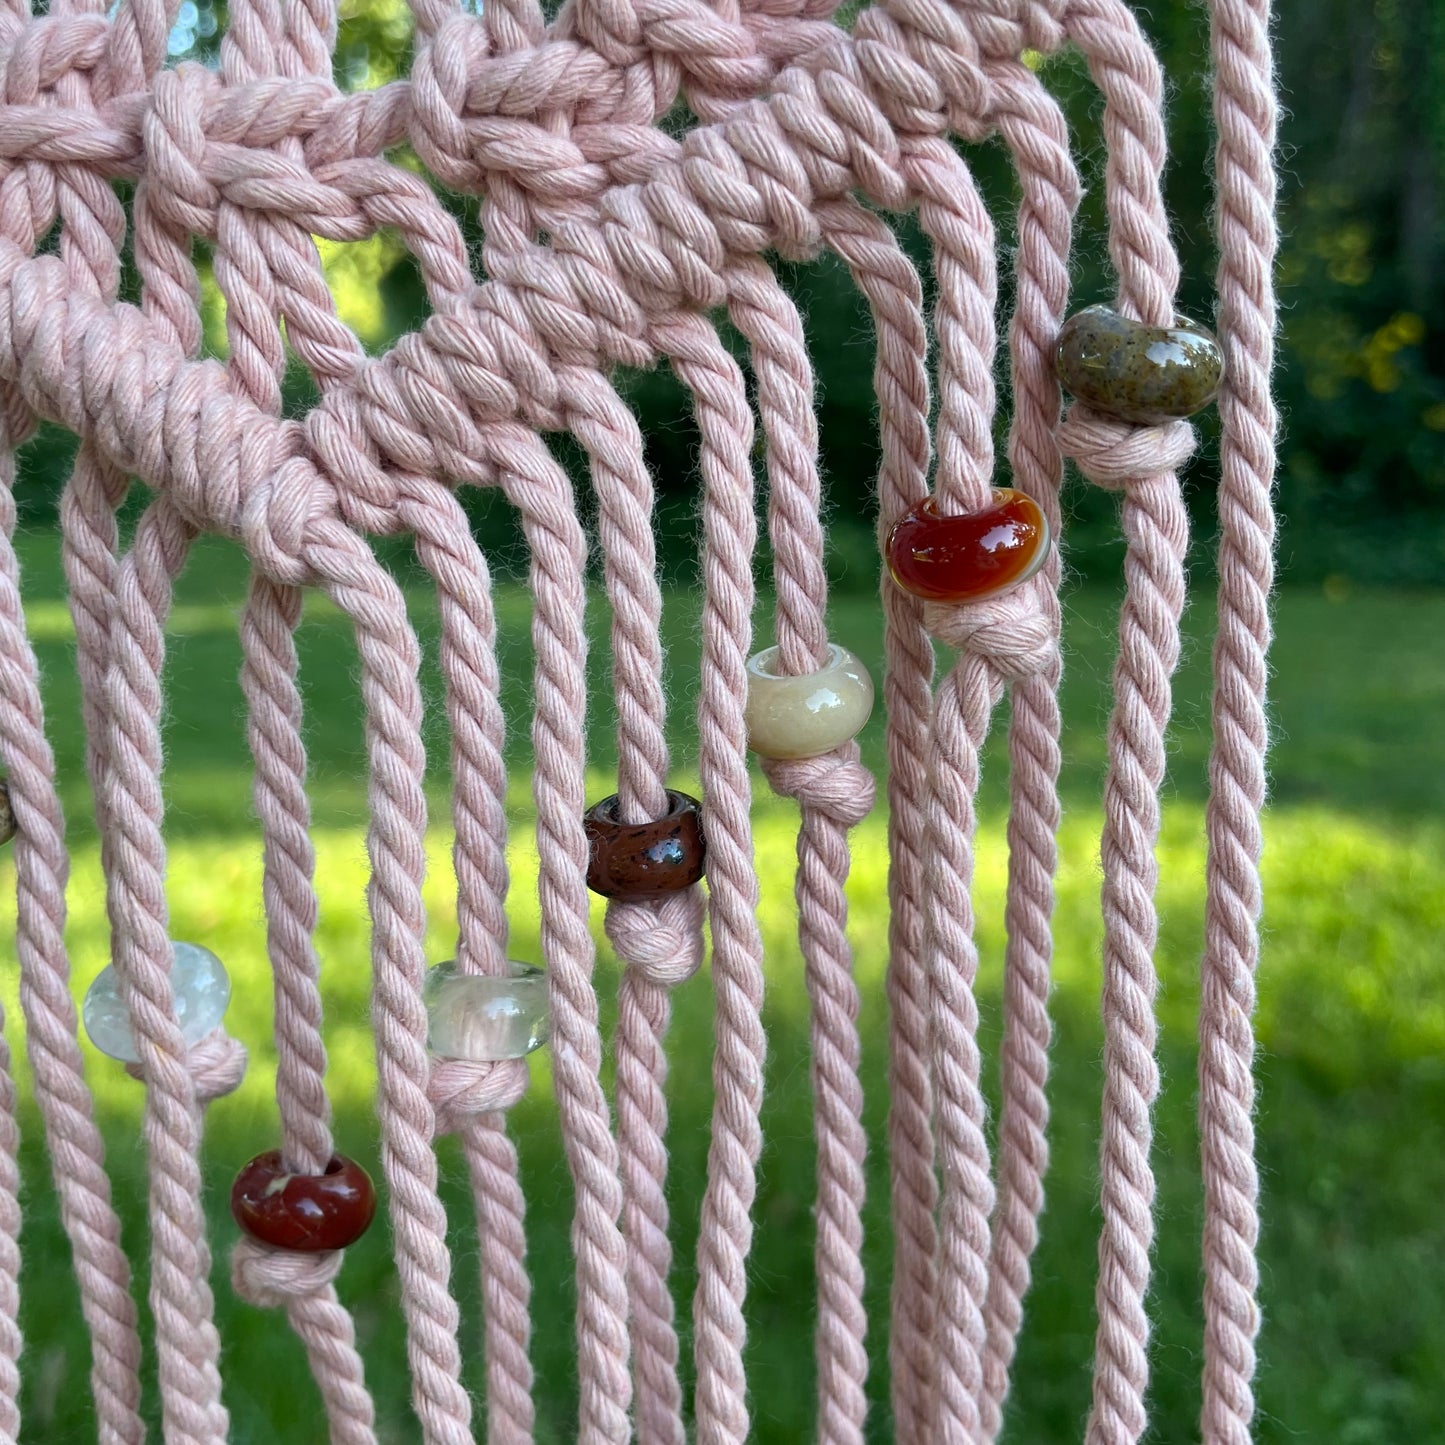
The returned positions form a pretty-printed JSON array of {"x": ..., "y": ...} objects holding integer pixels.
[
  {"x": 1351, "y": 1023},
  {"x": 1354, "y": 971},
  {"x": 1354, "y": 995}
]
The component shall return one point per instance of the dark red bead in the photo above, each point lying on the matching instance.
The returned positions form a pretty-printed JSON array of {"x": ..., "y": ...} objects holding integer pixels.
[
  {"x": 642, "y": 860},
  {"x": 303, "y": 1212},
  {"x": 967, "y": 558}
]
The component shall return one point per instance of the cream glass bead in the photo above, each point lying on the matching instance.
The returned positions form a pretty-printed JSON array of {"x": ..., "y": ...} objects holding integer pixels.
[
  {"x": 483, "y": 1018},
  {"x": 200, "y": 987},
  {"x": 809, "y": 715}
]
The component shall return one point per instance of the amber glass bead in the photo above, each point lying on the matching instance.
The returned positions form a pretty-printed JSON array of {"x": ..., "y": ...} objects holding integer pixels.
[
  {"x": 972, "y": 556},
  {"x": 303, "y": 1212},
  {"x": 1147, "y": 375},
  {"x": 642, "y": 860},
  {"x": 7, "y": 813}
]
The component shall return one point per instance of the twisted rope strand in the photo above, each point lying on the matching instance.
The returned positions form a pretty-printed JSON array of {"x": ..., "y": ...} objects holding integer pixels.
[
  {"x": 180, "y": 1294},
  {"x": 1244, "y": 179},
  {"x": 447, "y": 550},
  {"x": 895, "y": 296},
  {"x": 395, "y": 844},
  {"x": 540, "y": 490},
  {"x": 624, "y": 489},
  {"x": 1032, "y": 126},
  {"x": 268, "y": 679},
  {"x": 770, "y": 322},
  {"x": 729, "y": 533},
  {"x": 77, "y": 1151},
  {"x": 954, "y": 218},
  {"x": 1155, "y": 526}
]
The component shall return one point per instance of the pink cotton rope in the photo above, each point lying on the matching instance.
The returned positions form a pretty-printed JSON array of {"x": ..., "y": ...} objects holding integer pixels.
[
  {"x": 1244, "y": 178},
  {"x": 636, "y": 163}
]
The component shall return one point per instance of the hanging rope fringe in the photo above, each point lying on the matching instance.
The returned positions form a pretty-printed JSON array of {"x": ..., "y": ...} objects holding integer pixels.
[{"x": 612, "y": 240}]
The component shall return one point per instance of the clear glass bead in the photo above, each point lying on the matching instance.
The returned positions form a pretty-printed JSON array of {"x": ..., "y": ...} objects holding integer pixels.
[
  {"x": 482, "y": 1018},
  {"x": 200, "y": 986}
]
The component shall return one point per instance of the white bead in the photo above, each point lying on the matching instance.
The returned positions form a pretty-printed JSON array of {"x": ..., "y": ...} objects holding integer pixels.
[
  {"x": 483, "y": 1018},
  {"x": 808, "y": 715},
  {"x": 200, "y": 987}
]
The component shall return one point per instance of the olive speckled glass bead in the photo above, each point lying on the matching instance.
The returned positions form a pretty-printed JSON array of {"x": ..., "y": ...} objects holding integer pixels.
[
  {"x": 1147, "y": 375},
  {"x": 200, "y": 988},
  {"x": 810, "y": 714},
  {"x": 970, "y": 556},
  {"x": 305, "y": 1213},
  {"x": 484, "y": 1018},
  {"x": 644, "y": 860},
  {"x": 7, "y": 813}
]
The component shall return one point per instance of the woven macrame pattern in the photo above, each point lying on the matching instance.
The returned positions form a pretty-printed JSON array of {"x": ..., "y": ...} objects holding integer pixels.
[{"x": 610, "y": 239}]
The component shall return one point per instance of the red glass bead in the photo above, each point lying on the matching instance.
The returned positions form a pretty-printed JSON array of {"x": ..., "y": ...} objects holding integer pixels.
[
  {"x": 967, "y": 558},
  {"x": 303, "y": 1212}
]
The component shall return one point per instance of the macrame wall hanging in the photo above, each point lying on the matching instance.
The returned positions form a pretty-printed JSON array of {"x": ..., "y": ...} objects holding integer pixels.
[{"x": 611, "y": 240}]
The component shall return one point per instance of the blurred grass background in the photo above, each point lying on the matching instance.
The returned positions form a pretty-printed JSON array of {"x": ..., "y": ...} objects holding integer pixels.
[
  {"x": 1352, "y": 1026},
  {"x": 1352, "y": 1016}
]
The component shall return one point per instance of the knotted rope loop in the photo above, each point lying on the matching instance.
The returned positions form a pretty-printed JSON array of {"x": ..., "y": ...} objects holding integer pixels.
[
  {"x": 660, "y": 937},
  {"x": 46, "y": 49},
  {"x": 1112, "y": 453},
  {"x": 173, "y": 141},
  {"x": 463, "y": 147},
  {"x": 216, "y": 1064},
  {"x": 1011, "y": 632},
  {"x": 836, "y": 784},
  {"x": 273, "y": 1278},
  {"x": 461, "y": 1088}
]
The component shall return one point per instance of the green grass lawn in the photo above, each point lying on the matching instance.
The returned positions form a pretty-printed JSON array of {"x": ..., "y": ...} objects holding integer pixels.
[{"x": 1352, "y": 1027}]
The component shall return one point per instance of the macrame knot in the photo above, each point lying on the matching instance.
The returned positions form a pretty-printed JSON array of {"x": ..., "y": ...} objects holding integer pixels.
[
  {"x": 217, "y": 1064},
  {"x": 836, "y": 784},
  {"x": 175, "y": 145},
  {"x": 460, "y": 1088},
  {"x": 48, "y": 47},
  {"x": 273, "y": 1278},
  {"x": 1010, "y": 632},
  {"x": 660, "y": 937},
  {"x": 1112, "y": 454}
]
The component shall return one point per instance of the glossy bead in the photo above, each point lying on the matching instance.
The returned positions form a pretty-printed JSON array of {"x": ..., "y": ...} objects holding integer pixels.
[
  {"x": 971, "y": 556},
  {"x": 484, "y": 1018},
  {"x": 643, "y": 860},
  {"x": 303, "y": 1212},
  {"x": 7, "y": 813},
  {"x": 810, "y": 714},
  {"x": 1137, "y": 373},
  {"x": 200, "y": 986}
]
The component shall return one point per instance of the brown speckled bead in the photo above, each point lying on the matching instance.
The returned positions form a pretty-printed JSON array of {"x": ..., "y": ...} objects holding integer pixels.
[
  {"x": 1142, "y": 374},
  {"x": 306, "y": 1213},
  {"x": 641, "y": 860},
  {"x": 7, "y": 813}
]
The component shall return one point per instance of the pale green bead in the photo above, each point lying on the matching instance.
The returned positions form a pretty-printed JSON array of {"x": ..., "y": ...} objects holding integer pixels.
[
  {"x": 483, "y": 1018},
  {"x": 808, "y": 715},
  {"x": 200, "y": 987}
]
